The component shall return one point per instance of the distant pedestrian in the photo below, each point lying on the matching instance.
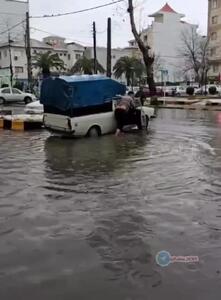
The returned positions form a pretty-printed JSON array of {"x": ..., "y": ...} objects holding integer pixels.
[{"x": 140, "y": 94}]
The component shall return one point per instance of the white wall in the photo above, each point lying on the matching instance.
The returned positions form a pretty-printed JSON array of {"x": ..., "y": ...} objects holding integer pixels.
[
  {"x": 75, "y": 51},
  {"x": 164, "y": 36},
  {"x": 12, "y": 13},
  {"x": 167, "y": 43}
]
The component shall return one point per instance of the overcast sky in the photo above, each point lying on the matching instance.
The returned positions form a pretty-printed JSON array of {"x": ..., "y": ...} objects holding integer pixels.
[{"x": 79, "y": 27}]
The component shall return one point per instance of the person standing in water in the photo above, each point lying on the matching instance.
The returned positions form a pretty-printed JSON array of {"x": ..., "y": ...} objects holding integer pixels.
[{"x": 123, "y": 110}]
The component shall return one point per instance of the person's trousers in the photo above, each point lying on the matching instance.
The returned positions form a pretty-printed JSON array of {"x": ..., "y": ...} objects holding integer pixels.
[{"x": 121, "y": 117}]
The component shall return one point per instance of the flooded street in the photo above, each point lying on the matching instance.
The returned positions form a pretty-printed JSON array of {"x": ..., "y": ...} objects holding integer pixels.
[{"x": 84, "y": 219}]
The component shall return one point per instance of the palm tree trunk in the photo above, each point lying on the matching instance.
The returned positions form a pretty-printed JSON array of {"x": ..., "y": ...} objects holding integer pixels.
[
  {"x": 128, "y": 80},
  {"x": 46, "y": 73}
]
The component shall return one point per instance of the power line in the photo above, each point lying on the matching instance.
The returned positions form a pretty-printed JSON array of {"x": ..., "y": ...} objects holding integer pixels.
[
  {"x": 77, "y": 11},
  {"x": 14, "y": 26}
]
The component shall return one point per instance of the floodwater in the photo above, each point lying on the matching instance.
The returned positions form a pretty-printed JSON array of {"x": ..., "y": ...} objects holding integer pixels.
[{"x": 84, "y": 219}]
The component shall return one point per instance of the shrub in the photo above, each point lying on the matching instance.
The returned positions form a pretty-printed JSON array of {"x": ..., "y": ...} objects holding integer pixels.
[
  {"x": 18, "y": 85},
  {"x": 154, "y": 101},
  {"x": 212, "y": 90},
  {"x": 190, "y": 90},
  {"x": 4, "y": 85}
]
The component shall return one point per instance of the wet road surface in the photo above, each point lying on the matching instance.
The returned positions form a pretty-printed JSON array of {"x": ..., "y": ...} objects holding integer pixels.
[{"x": 84, "y": 219}]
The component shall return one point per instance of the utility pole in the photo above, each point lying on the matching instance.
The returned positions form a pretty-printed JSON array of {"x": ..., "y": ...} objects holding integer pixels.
[
  {"x": 95, "y": 47},
  {"x": 10, "y": 59},
  {"x": 109, "y": 67},
  {"x": 28, "y": 51}
]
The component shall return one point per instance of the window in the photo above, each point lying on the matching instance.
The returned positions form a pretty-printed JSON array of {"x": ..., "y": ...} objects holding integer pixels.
[
  {"x": 213, "y": 51},
  {"x": 214, "y": 36},
  {"x": 60, "y": 54},
  {"x": 6, "y": 91},
  {"x": 214, "y": 4},
  {"x": 16, "y": 92},
  {"x": 15, "y": 57},
  {"x": 5, "y": 53},
  {"x": 19, "y": 70},
  {"x": 215, "y": 20},
  {"x": 69, "y": 56},
  {"x": 65, "y": 54},
  {"x": 145, "y": 38},
  {"x": 77, "y": 56},
  {"x": 215, "y": 68}
]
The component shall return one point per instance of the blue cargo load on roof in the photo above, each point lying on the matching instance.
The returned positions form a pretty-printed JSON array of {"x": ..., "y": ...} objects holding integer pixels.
[{"x": 70, "y": 92}]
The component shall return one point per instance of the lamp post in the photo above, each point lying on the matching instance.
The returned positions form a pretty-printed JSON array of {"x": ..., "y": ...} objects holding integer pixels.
[{"x": 164, "y": 74}]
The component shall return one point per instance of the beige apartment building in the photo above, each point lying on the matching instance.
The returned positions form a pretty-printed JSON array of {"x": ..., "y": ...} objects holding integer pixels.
[{"x": 214, "y": 33}]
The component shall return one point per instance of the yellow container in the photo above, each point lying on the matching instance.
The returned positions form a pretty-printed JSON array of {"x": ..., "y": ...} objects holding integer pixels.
[
  {"x": 18, "y": 125},
  {"x": 1, "y": 123}
]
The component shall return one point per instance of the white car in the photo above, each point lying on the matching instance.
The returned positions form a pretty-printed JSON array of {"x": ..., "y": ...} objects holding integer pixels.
[
  {"x": 8, "y": 94},
  {"x": 34, "y": 108},
  {"x": 90, "y": 125},
  {"x": 206, "y": 88},
  {"x": 180, "y": 91}
]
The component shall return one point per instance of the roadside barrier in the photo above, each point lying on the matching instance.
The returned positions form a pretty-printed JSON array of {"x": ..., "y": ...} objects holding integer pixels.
[{"x": 20, "y": 122}]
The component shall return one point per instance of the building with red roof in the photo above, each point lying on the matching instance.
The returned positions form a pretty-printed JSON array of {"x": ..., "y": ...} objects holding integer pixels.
[{"x": 164, "y": 36}]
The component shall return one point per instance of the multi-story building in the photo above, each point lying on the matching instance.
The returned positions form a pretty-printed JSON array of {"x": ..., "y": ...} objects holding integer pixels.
[
  {"x": 214, "y": 34},
  {"x": 164, "y": 36},
  {"x": 116, "y": 54},
  {"x": 12, "y": 13},
  {"x": 75, "y": 51},
  {"x": 17, "y": 52},
  {"x": 69, "y": 53}
]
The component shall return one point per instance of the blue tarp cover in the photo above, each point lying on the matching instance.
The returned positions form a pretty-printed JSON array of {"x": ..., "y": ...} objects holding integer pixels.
[{"x": 67, "y": 92}]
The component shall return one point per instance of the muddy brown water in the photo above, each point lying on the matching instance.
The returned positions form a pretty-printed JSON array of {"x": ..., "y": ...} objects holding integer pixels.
[{"x": 84, "y": 219}]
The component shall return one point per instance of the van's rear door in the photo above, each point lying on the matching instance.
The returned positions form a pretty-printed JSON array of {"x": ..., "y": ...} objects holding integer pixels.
[{"x": 57, "y": 122}]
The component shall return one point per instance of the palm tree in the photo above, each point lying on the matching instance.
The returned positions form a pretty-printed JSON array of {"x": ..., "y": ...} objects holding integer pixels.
[
  {"x": 86, "y": 66},
  {"x": 47, "y": 61},
  {"x": 130, "y": 67}
]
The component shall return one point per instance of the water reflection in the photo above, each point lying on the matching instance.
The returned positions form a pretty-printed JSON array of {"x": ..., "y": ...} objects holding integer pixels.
[
  {"x": 102, "y": 155},
  {"x": 83, "y": 219},
  {"x": 120, "y": 237}
]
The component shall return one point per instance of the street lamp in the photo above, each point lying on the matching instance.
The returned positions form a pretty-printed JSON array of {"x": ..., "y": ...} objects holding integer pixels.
[{"x": 164, "y": 74}]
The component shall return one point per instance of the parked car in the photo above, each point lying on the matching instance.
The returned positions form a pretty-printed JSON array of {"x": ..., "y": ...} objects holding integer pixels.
[
  {"x": 34, "y": 108},
  {"x": 169, "y": 90},
  {"x": 159, "y": 92},
  {"x": 14, "y": 95},
  {"x": 205, "y": 89},
  {"x": 180, "y": 91}
]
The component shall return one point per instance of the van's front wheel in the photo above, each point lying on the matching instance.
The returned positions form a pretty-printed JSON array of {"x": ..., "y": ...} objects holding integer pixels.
[{"x": 94, "y": 131}]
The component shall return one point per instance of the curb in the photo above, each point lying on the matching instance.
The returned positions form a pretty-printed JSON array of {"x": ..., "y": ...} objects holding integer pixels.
[{"x": 21, "y": 123}]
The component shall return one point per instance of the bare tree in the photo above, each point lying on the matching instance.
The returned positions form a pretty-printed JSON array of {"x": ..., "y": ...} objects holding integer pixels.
[
  {"x": 195, "y": 52},
  {"x": 145, "y": 49}
]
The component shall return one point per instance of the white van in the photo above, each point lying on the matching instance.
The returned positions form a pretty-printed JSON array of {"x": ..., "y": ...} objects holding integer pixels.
[
  {"x": 90, "y": 125},
  {"x": 84, "y": 105}
]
